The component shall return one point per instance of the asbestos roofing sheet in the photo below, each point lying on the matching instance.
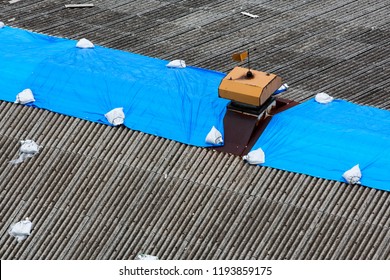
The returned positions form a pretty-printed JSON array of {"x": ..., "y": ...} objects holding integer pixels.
[
  {"x": 325, "y": 140},
  {"x": 178, "y": 104}
]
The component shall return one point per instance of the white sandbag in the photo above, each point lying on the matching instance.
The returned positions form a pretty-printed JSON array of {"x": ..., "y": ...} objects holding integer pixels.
[
  {"x": 27, "y": 150},
  {"x": 323, "y": 98},
  {"x": 29, "y": 147},
  {"x": 85, "y": 44},
  {"x": 1, "y": 24},
  {"x": 255, "y": 157},
  {"x": 115, "y": 116},
  {"x": 178, "y": 63},
  {"x": 353, "y": 175},
  {"x": 25, "y": 96},
  {"x": 21, "y": 230},
  {"x": 214, "y": 137},
  {"x": 145, "y": 257}
]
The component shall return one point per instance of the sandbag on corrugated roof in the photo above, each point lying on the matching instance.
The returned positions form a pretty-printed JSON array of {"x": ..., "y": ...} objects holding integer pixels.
[
  {"x": 178, "y": 104},
  {"x": 21, "y": 230},
  {"x": 325, "y": 141},
  {"x": 28, "y": 149}
]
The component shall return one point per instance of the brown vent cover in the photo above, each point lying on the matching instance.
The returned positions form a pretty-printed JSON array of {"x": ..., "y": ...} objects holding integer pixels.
[{"x": 252, "y": 89}]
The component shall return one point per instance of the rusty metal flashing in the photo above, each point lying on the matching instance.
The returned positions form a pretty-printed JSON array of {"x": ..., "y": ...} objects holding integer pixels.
[{"x": 243, "y": 129}]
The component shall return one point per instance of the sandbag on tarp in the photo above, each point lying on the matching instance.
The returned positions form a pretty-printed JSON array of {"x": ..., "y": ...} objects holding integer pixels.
[
  {"x": 323, "y": 98},
  {"x": 325, "y": 141},
  {"x": 214, "y": 137},
  {"x": 353, "y": 175},
  {"x": 177, "y": 63},
  {"x": 255, "y": 156},
  {"x": 178, "y": 104},
  {"x": 115, "y": 116},
  {"x": 25, "y": 96},
  {"x": 85, "y": 44}
]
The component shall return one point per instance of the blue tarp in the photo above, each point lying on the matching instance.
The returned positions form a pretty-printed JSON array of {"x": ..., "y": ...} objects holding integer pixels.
[
  {"x": 325, "y": 140},
  {"x": 178, "y": 104}
]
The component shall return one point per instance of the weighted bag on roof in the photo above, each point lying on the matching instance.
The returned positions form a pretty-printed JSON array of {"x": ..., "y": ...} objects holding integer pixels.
[
  {"x": 21, "y": 230},
  {"x": 214, "y": 137},
  {"x": 146, "y": 257},
  {"x": 178, "y": 63},
  {"x": 1, "y": 24},
  {"x": 115, "y": 116},
  {"x": 25, "y": 96},
  {"x": 353, "y": 175},
  {"x": 27, "y": 150},
  {"x": 255, "y": 157},
  {"x": 85, "y": 44},
  {"x": 323, "y": 98}
]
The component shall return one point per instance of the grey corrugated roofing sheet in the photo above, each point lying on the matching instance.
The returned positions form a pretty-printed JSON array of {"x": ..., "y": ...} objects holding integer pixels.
[{"x": 99, "y": 192}]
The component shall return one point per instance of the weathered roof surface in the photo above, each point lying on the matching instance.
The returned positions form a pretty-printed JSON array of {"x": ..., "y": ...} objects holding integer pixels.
[{"x": 98, "y": 192}]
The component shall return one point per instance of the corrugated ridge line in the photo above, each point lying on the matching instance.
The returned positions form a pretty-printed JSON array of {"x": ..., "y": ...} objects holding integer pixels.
[
  {"x": 268, "y": 252},
  {"x": 280, "y": 29},
  {"x": 301, "y": 213},
  {"x": 346, "y": 206},
  {"x": 201, "y": 232},
  {"x": 165, "y": 173},
  {"x": 349, "y": 236},
  {"x": 204, "y": 204},
  {"x": 302, "y": 246},
  {"x": 192, "y": 37},
  {"x": 52, "y": 231},
  {"x": 119, "y": 201},
  {"x": 80, "y": 17},
  {"x": 25, "y": 211},
  {"x": 365, "y": 236},
  {"x": 222, "y": 233},
  {"x": 42, "y": 157},
  {"x": 280, "y": 67},
  {"x": 164, "y": 233},
  {"x": 170, "y": 233},
  {"x": 313, "y": 238},
  {"x": 141, "y": 167},
  {"x": 120, "y": 186},
  {"x": 220, "y": 215},
  {"x": 93, "y": 210},
  {"x": 167, "y": 225},
  {"x": 251, "y": 229},
  {"x": 57, "y": 179},
  {"x": 332, "y": 34},
  {"x": 104, "y": 150},
  {"x": 66, "y": 213},
  {"x": 149, "y": 187},
  {"x": 91, "y": 195},
  {"x": 235, "y": 241},
  {"x": 35, "y": 11},
  {"x": 132, "y": 200}
]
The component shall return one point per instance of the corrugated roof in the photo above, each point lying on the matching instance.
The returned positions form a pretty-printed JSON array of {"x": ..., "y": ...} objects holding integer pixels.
[{"x": 98, "y": 192}]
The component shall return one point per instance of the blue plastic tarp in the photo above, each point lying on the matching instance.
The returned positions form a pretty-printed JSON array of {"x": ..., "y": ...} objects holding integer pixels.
[
  {"x": 178, "y": 104},
  {"x": 325, "y": 140}
]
